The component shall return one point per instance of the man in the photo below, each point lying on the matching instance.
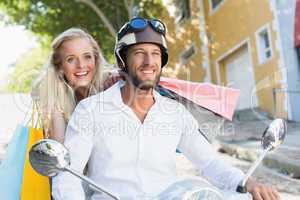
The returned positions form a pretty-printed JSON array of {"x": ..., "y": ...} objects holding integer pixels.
[{"x": 129, "y": 133}]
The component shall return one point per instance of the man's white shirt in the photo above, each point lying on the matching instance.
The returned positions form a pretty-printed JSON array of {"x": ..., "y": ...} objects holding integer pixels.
[{"x": 131, "y": 159}]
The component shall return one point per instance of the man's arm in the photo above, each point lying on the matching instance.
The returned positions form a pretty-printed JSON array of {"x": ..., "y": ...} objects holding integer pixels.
[
  {"x": 201, "y": 153},
  {"x": 224, "y": 176},
  {"x": 78, "y": 141}
]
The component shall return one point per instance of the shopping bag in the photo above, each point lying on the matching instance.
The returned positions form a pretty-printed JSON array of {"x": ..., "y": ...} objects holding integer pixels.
[
  {"x": 34, "y": 185},
  {"x": 210, "y": 104},
  {"x": 218, "y": 99},
  {"x": 12, "y": 165}
]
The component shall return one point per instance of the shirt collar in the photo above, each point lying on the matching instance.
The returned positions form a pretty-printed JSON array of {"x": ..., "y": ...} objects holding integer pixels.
[{"x": 116, "y": 97}]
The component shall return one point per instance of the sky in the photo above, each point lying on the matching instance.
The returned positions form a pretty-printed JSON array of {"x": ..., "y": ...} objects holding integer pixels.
[{"x": 14, "y": 41}]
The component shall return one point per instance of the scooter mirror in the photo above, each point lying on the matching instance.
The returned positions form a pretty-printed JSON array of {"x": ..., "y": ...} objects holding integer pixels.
[
  {"x": 48, "y": 157},
  {"x": 274, "y": 135}
]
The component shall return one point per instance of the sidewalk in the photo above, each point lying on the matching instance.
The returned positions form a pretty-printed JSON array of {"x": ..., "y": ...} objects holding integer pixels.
[
  {"x": 241, "y": 138},
  {"x": 244, "y": 143}
]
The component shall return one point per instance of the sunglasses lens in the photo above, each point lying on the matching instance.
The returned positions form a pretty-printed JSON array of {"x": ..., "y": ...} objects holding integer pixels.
[
  {"x": 159, "y": 26},
  {"x": 138, "y": 23}
]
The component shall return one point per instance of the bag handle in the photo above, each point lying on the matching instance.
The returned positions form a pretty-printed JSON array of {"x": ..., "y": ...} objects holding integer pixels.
[{"x": 36, "y": 110}]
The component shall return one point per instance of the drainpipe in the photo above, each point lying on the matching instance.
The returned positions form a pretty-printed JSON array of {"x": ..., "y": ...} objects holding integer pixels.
[{"x": 204, "y": 41}]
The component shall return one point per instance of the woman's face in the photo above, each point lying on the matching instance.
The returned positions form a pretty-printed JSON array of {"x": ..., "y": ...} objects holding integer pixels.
[{"x": 78, "y": 62}]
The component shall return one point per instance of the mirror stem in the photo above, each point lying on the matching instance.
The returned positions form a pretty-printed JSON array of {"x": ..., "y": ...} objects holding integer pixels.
[
  {"x": 255, "y": 165},
  {"x": 91, "y": 183}
]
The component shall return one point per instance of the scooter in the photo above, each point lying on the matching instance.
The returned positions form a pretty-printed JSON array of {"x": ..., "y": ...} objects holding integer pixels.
[{"x": 49, "y": 157}]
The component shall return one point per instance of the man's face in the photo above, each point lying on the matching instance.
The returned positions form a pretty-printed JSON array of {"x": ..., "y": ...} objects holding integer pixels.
[{"x": 144, "y": 65}]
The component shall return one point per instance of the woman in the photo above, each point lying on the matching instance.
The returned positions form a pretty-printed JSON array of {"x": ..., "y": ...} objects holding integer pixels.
[{"x": 74, "y": 71}]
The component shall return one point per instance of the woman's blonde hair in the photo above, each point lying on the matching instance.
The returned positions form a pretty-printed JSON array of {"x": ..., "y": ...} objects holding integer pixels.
[{"x": 51, "y": 90}]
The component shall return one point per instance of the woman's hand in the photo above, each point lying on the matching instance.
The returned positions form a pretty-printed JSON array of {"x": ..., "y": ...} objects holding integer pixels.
[{"x": 111, "y": 78}]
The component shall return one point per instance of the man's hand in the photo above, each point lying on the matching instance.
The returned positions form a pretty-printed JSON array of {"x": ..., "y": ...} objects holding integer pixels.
[{"x": 261, "y": 192}]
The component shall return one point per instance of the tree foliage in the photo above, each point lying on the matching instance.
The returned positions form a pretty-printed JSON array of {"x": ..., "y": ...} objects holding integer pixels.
[
  {"x": 51, "y": 17},
  {"x": 27, "y": 68}
]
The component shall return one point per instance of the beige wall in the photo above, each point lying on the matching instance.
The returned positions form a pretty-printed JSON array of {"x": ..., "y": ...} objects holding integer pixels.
[
  {"x": 181, "y": 37},
  {"x": 238, "y": 21},
  {"x": 233, "y": 22}
]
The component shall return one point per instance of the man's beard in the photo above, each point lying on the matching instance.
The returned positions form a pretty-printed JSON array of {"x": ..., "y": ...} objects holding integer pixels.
[{"x": 144, "y": 85}]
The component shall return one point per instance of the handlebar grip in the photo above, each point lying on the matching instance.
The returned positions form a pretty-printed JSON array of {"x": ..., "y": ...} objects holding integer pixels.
[{"x": 241, "y": 189}]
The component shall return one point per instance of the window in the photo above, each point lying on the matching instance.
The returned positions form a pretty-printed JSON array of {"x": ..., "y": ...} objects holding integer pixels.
[
  {"x": 187, "y": 54},
  {"x": 263, "y": 42},
  {"x": 214, "y": 4},
  {"x": 183, "y": 11}
]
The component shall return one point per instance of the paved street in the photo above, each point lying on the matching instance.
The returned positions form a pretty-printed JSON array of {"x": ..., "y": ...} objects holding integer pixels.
[{"x": 289, "y": 188}]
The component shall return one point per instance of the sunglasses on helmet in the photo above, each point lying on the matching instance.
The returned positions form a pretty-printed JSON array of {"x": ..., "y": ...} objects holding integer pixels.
[{"x": 139, "y": 24}]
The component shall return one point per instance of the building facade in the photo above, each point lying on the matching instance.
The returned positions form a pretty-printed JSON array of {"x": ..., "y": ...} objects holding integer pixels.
[{"x": 248, "y": 45}]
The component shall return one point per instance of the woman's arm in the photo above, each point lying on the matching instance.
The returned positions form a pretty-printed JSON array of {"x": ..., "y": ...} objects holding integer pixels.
[{"x": 58, "y": 127}]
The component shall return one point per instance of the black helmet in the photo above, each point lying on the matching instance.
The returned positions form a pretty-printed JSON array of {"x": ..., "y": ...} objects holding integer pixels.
[{"x": 140, "y": 30}]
